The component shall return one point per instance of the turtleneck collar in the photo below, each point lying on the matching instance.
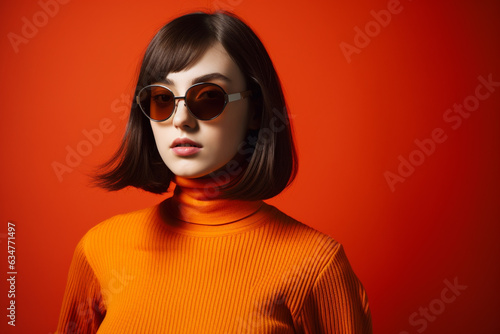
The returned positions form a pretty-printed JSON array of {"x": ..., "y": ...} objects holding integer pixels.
[{"x": 197, "y": 201}]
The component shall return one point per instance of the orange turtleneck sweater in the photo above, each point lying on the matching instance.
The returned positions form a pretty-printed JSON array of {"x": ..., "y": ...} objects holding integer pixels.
[{"x": 193, "y": 264}]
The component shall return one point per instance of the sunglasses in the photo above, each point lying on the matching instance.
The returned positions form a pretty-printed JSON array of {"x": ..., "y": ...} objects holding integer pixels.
[{"x": 204, "y": 100}]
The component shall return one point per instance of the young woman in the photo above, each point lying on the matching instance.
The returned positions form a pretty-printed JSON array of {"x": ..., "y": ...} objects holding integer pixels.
[{"x": 209, "y": 116}]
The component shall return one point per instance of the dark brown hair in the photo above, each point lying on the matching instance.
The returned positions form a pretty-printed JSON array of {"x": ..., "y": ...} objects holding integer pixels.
[{"x": 270, "y": 161}]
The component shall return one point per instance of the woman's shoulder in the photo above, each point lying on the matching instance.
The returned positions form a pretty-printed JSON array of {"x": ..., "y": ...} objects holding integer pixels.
[
  {"x": 120, "y": 226},
  {"x": 301, "y": 235}
]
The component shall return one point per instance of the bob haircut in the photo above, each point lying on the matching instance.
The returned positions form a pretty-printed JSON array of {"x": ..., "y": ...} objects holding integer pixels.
[{"x": 270, "y": 160}]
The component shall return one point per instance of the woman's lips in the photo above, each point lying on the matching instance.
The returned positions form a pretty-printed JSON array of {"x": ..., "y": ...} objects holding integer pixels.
[{"x": 185, "y": 147}]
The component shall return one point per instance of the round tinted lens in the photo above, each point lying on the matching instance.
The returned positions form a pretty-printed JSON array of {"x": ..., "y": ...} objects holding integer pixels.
[
  {"x": 206, "y": 101},
  {"x": 157, "y": 102}
]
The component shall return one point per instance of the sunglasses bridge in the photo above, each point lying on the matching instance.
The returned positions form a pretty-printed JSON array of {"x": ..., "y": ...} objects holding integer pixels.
[{"x": 176, "y": 103}]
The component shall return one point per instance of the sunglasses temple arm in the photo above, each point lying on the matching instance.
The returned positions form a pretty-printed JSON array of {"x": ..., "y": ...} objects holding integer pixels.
[{"x": 238, "y": 96}]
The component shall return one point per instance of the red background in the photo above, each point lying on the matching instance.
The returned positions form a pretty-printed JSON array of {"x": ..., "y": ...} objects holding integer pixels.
[{"x": 352, "y": 121}]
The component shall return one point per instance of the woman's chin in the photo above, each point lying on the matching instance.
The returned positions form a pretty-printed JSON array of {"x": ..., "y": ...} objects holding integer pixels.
[{"x": 192, "y": 174}]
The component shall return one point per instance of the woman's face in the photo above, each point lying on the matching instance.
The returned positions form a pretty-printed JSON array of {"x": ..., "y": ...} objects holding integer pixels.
[{"x": 216, "y": 141}]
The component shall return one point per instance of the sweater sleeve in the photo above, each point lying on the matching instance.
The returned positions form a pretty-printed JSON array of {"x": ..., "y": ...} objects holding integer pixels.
[
  {"x": 83, "y": 308},
  {"x": 337, "y": 302}
]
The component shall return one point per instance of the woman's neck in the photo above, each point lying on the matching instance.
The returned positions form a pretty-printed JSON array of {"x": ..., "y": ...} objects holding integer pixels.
[{"x": 199, "y": 201}]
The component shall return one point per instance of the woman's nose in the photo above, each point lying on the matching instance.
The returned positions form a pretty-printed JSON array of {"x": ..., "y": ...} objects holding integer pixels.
[{"x": 183, "y": 117}]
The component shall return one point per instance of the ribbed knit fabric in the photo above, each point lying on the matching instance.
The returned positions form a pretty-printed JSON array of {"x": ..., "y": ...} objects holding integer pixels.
[{"x": 194, "y": 264}]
